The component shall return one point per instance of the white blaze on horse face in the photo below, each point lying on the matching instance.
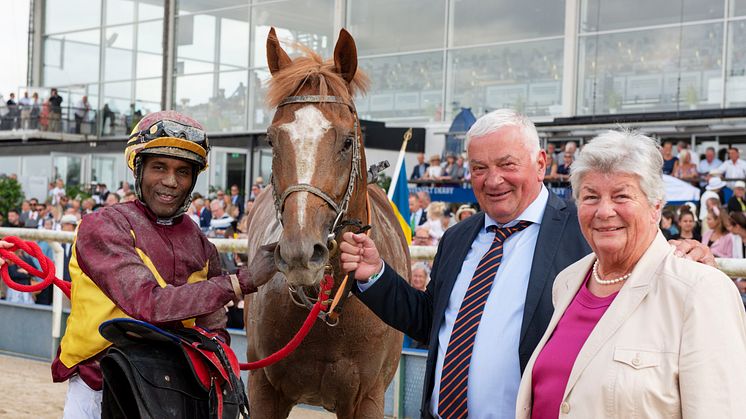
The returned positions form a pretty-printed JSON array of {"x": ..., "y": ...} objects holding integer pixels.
[{"x": 305, "y": 133}]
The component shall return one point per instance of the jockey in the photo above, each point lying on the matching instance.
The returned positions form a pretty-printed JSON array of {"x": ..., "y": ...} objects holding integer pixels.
[{"x": 146, "y": 260}]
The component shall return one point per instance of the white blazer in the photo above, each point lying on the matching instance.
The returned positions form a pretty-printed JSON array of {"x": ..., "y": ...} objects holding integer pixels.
[{"x": 671, "y": 345}]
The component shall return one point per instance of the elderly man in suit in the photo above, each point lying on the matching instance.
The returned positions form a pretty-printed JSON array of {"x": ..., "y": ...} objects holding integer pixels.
[{"x": 488, "y": 335}]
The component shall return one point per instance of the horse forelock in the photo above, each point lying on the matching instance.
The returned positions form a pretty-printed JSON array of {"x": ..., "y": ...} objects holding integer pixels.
[{"x": 312, "y": 72}]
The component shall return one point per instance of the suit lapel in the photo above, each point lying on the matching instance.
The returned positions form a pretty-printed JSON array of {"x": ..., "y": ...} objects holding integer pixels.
[
  {"x": 629, "y": 297},
  {"x": 552, "y": 225}
]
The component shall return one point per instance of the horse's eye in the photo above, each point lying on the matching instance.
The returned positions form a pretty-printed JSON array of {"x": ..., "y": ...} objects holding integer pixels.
[{"x": 348, "y": 143}]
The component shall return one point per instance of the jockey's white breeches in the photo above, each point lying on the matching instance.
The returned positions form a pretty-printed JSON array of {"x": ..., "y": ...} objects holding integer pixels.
[{"x": 82, "y": 402}]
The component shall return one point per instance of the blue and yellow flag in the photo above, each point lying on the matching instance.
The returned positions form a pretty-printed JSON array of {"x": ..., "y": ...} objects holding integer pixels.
[
  {"x": 400, "y": 201},
  {"x": 399, "y": 192}
]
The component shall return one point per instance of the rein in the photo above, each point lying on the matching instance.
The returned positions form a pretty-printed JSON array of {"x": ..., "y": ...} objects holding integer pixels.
[{"x": 47, "y": 271}]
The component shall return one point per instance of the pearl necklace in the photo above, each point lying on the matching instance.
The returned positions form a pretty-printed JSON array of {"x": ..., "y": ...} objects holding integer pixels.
[{"x": 607, "y": 281}]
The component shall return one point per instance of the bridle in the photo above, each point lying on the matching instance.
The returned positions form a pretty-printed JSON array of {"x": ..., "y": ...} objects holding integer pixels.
[
  {"x": 331, "y": 318},
  {"x": 340, "y": 209}
]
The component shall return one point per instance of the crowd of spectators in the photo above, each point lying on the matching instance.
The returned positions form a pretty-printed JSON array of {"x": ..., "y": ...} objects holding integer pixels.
[
  {"x": 35, "y": 113},
  {"x": 55, "y": 114},
  {"x": 454, "y": 170}
]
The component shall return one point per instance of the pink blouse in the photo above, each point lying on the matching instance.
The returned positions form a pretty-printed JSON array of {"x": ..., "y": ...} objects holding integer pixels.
[
  {"x": 722, "y": 247},
  {"x": 555, "y": 361}
]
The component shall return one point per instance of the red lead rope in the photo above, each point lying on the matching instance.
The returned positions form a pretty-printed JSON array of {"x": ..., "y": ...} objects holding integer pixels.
[
  {"x": 326, "y": 284},
  {"x": 47, "y": 272}
]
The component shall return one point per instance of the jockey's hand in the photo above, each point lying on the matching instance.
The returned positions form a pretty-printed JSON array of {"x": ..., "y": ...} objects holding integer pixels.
[
  {"x": 358, "y": 253},
  {"x": 693, "y": 250},
  {"x": 260, "y": 271},
  {"x": 4, "y": 245}
]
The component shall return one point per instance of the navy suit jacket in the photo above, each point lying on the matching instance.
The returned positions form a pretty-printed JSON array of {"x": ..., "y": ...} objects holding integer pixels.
[
  {"x": 419, "y": 171},
  {"x": 420, "y": 314}
]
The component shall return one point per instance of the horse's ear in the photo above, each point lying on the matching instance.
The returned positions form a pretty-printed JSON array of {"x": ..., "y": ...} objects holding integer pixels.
[
  {"x": 345, "y": 56},
  {"x": 277, "y": 58}
]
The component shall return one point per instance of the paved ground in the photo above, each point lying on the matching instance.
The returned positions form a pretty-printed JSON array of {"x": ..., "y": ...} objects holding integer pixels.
[{"x": 27, "y": 391}]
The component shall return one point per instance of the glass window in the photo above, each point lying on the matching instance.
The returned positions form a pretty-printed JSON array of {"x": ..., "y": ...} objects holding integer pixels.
[
  {"x": 68, "y": 15},
  {"x": 71, "y": 58},
  {"x": 526, "y": 77},
  {"x": 194, "y": 96},
  {"x": 150, "y": 36},
  {"x": 387, "y": 26},
  {"x": 261, "y": 115},
  {"x": 195, "y": 41},
  {"x": 481, "y": 22},
  {"x": 234, "y": 39},
  {"x": 37, "y": 166},
  {"x": 148, "y": 95},
  {"x": 232, "y": 95},
  {"x": 103, "y": 171},
  {"x": 735, "y": 92},
  {"x": 150, "y": 9},
  {"x": 663, "y": 69},
  {"x": 67, "y": 168},
  {"x": 118, "y": 97},
  {"x": 604, "y": 15},
  {"x": 119, "y": 55},
  {"x": 120, "y": 11},
  {"x": 737, "y": 7},
  {"x": 149, "y": 49},
  {"x": 408, "y": 86},
  {"x": 193, "y": 6},
  {"x": 218, "y": 110},
  {"x": 310, "y": 22},
  {"x": 9, "y": 165}
]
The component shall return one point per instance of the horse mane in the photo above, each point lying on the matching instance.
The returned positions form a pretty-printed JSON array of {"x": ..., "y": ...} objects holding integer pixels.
[{"x": 310, "y": 70}]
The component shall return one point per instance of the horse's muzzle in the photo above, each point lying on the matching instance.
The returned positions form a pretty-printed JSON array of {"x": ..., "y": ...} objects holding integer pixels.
[{"x": 301, "y": 261}]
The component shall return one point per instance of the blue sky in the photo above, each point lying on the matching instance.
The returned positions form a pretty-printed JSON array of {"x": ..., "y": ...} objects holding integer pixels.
[{"x": 13, "y": 48}]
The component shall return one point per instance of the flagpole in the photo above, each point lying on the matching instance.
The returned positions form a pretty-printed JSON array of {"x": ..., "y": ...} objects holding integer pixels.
[{"x": 399, "y": 161}]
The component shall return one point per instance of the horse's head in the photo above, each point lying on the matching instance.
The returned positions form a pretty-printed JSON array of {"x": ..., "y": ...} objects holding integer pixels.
[{"x": 318, "y": 174}]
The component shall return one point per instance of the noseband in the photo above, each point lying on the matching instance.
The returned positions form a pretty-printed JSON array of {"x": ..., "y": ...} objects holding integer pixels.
[{"x": 340, "y": 209}]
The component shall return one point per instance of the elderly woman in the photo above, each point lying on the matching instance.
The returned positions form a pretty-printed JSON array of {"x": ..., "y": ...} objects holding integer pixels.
[
  {"x": 637, "y": 331},
  {"x": 420, "y": 275}
]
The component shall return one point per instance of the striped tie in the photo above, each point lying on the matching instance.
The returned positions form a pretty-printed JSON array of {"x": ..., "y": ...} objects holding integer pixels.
[{"x": 454, "y": 380}]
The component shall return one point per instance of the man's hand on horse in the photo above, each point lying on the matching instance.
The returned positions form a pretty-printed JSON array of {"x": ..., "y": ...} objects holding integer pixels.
[
  {"x": 693, "y": 250},
  {"x": 260, "y": 271},
  {"x": 358, "y": 253}
]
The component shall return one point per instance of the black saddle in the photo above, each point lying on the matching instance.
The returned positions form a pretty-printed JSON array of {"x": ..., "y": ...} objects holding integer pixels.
[{"x": 154, "y": 373}]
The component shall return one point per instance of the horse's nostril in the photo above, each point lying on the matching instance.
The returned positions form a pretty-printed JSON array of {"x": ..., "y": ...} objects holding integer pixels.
[{"x": 320, "y": 254}]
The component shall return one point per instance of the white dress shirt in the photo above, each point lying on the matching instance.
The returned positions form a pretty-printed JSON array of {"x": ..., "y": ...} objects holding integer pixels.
[{"x": 732, "y": 170}]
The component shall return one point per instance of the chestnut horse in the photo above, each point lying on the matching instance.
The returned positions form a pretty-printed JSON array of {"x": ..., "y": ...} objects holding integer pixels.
[{"x": 319, "y": 181}]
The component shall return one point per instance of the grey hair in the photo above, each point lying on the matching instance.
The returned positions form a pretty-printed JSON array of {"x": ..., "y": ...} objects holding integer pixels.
[
  {"x": 622, "y": 151},
  {"x": 423, "y": 266},
  {"x": 498, "y": 119}
]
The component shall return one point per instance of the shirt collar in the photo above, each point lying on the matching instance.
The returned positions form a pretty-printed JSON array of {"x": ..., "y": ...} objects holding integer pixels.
[{"x": 533, "y": 213}]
